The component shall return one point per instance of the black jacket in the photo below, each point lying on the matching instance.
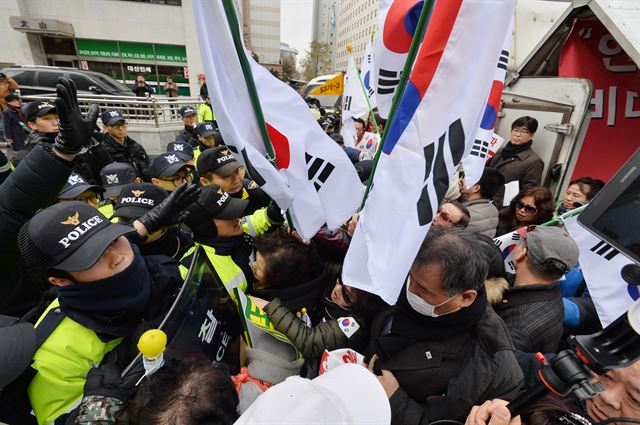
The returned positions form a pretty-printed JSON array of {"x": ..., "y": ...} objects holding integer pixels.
[
  {"x": 188, "y": 134},
  {"x": 130, "y": 151},
  {"x": 487, "y": 370},
  {"x": 141, "y": 91},
  {"x": 12, "y": 128},
  {"x": 533, "y": 314},
  {"x": 31, "y": 186},
  {"x": 88, "y": 164}
]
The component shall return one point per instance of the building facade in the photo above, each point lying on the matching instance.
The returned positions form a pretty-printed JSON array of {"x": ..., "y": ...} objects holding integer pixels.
[
  {"x": 356, "y": 23},
  {"x": 123, "y": 39},
  {"x": 325, "y": 13}
]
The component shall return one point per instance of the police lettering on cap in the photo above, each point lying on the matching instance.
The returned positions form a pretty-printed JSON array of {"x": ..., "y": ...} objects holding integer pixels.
[
  {"x": 76, "y": 185},
  {"x": 115, "y": 176},
  {"x": 111, "y": 117},
  {"x": 167, "y": 165},
  {"x": 187, "y": 111},
  {"x": 206, "y": 129},
  {"x": 182, "y": 149},
  {"x": 69, "y": 236},
  {"x": 38, "y": 108},
  {"x": 218, "y": 160},
  {"x": 137, "y": 199}
]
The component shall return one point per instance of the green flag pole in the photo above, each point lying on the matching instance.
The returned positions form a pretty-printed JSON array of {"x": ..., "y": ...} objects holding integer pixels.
[
  {"x": 560, "y": 219},
  {"x": 366, "y": 96},
  {"x": 404, "y": 77},
  {"x": 232, "y": 18}
]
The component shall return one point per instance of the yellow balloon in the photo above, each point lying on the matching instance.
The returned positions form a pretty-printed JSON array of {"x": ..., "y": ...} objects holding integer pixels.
[
  {"x": 349, "y": 48},
  {"x": 152, "y": 343}
]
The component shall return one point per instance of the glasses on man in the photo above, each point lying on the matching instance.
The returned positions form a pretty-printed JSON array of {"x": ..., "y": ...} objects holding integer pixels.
[
  {"x": 180, "y": 179},
  {"x": 120, "y": 124},
  {"x": 527, "y": 208},
  {"x": 522, "y": 131},
  {"x": 345, "y": 293}
]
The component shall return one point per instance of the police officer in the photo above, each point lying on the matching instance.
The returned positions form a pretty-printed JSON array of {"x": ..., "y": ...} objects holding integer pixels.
[
  {"x": 42, "y": 119},
  {"x": 35, "y": 185},
  {"x": 208, "y": 137},
  {"x": 169, "y": 171},
  {"x": 183, "y": 150},
  {"x": 78, "y": 189},
  {"x": 114, "y": 177},
  {"x": 190, "y": 119},
  {"x": 121, "y": 147},
  {"x": 105, "y": 289},
  {"x": 136, "y": 200},
  {"x": 215, "y": 219},
  {"x": 219, "y": 166}
]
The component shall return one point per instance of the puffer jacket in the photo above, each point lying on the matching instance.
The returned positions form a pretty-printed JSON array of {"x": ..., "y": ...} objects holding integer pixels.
[
  {"x": 484, "y": 217},
  {"x": 342, "y": 332},
  {"x": 131, "y": 152}
]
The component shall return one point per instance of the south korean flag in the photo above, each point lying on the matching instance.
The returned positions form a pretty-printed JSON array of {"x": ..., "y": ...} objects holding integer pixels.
[
  {"x": 508, "y": 244},
  {"x": 602, "y": 266}
]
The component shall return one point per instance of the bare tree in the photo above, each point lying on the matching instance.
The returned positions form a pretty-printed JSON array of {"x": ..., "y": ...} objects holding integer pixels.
[{"x": 317, "y": 60}]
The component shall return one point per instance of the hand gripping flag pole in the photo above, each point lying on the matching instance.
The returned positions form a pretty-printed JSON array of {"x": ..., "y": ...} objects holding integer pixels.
[
  {"x": 404, "y": 77},
  {"x": 232, "y": 19}
]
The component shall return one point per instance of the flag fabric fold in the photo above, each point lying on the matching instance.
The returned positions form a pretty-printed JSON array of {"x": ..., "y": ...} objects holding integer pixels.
[
  {"x": 366, "y": 72},
  {"x": 314, "y": 178},
  {"x": 435, "y": 124},
  {"x": 601, "y": 265},
  {"x": 354, "y": 103},
  {"x": 475, "y": 159}
]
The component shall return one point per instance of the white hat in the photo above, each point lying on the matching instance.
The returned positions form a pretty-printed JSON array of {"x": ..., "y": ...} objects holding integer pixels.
[{"x": 348, "y": 394}]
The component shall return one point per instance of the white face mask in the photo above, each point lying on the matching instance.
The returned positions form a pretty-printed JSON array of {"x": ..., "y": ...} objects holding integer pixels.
[{"x": 421, "y": 306}]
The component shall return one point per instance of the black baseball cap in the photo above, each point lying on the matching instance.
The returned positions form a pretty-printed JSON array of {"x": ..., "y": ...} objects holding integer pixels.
[
  {"x": 17, "y": 346},
  {"x": 69, "y": 236},
  {"x": 182, "y": 149},
  {"x": 38, "y": 108},
  {"x": 11, "y": 96},
  {"x": 111, "y": 117},
  {"x": 218, "y": 160},
  {"x": 138, "y": 198},
  {"x": 167, "y": 164},
  {"x": 206, "y": 129},
  {"x": 337, "y": 137},
  {"x": 187, "y": 111},
  {"x": 213, "y": 202},
  {"x": 75, "y": 185},
  {"x": 115, "y": 176}
]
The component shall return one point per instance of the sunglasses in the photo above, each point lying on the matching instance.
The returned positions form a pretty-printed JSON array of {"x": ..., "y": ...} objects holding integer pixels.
[{"x": 527, "y": 208}]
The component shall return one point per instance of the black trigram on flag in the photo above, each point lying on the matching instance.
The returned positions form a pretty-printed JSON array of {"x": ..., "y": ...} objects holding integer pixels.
[
  {"x": 436, "y": 172},
  {"x": 387, "y": 81},
  {"x": 504, "y": 60},
  {"x": 347, "y": 103},
  {"x": 515, "y": 236},
  {"x": 498, "y": 243},
  {"x": 370, "y": 91},
  {"x": 318, "y": 166},
  {"x": 480, "y": 148},
  {"x": 605, "y": 250},
  {"x": 511, "y": 265}
]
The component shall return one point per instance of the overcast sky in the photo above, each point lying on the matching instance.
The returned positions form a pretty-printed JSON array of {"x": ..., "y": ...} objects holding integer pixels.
[{"x": 296, "y": 24}]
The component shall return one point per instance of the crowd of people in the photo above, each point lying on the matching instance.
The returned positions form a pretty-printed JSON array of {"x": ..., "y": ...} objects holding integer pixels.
[{"x": 97, "y": 238}]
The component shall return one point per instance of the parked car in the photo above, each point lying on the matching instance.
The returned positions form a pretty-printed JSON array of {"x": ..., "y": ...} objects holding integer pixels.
[{"x": 37, "y": 80}]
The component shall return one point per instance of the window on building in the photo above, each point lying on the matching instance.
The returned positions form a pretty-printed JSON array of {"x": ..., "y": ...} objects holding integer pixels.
[{"x": 58, "y": 46}]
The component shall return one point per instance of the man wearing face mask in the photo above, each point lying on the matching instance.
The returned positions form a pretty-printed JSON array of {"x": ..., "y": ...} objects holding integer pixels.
[
  {"x": 442, "y": 348},
  {"x": 106, "y": 289}
]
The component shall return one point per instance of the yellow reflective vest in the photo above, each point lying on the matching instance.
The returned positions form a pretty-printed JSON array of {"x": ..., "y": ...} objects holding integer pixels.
[
  {"x": 205, "y": 113},
  {"x": 230, "y": 273},
  {"x": 62, "y": 363}
]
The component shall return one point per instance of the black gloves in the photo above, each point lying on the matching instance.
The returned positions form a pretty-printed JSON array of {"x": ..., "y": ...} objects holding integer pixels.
[
  {"x": 274, "y": 213},
  {"x": 75, "y": 131},
  {"x": 172, "y": 209},
  {"x": 105, "y": 381}
]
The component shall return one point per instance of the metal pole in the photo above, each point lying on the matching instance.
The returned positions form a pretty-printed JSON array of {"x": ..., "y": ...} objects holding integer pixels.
[{"x": 408, "y": 64}]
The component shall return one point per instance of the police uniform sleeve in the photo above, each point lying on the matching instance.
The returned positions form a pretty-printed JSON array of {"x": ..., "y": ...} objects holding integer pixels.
[
  {"x": 257, "y": 223},
  {"x": 310, "y": 341}
]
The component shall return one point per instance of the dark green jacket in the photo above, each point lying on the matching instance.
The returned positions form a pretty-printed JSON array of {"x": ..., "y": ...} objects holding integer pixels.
[{"x": 313, "y": 341}]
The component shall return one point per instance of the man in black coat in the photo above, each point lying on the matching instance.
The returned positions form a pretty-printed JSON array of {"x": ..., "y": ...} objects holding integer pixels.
[
  {"x": 33, "y": 185},
  {"x": 13, "y": 118},
  {"x": 190, "y": 119},
  {"x": 141, "y": 88},
  {"x": 442, "y": 348}
]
